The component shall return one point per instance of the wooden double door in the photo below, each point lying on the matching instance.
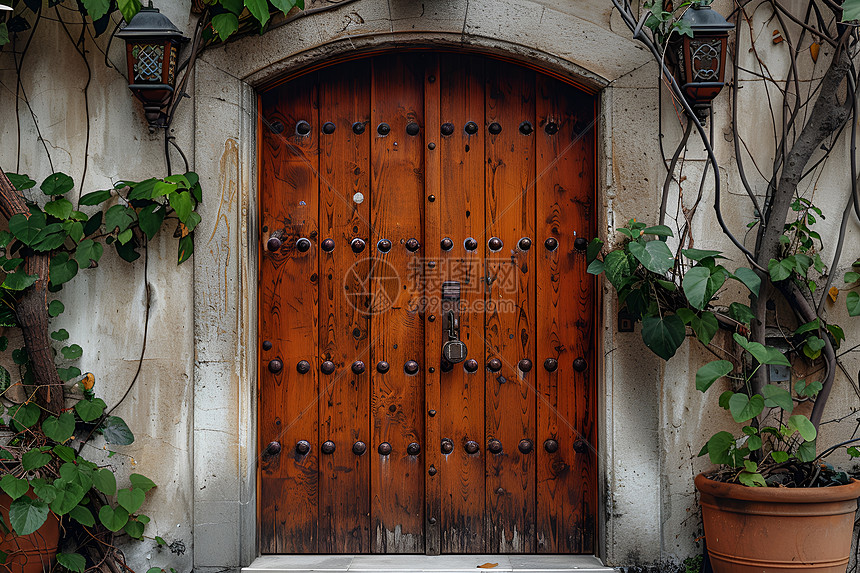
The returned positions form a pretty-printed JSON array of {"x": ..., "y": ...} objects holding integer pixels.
[{"x": 409, "y": 201}]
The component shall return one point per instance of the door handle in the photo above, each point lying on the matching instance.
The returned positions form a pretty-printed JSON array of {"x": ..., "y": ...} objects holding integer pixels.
[{"x": 454, "y": 350}]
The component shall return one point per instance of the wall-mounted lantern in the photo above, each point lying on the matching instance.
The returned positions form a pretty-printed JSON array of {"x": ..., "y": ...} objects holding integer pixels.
[
  {"x": 701, "y": 59},
  {"x": 152, "y": 43}
]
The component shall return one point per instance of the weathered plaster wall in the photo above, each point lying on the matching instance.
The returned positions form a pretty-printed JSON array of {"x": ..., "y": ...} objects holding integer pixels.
[{"x": 193, "y": 409}]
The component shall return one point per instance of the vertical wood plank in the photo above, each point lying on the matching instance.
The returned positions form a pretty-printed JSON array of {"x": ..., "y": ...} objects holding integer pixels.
[
  {"x": 567, "y": 479},
  {"x": 397, "y": 399},
  {"x": 433, "y": 335},
  {"x": 461, "y": 203},
  {"x": 509, "y": 319},
  {"x": 344, "y": 524},
  {"x": 288, "y": 319}
]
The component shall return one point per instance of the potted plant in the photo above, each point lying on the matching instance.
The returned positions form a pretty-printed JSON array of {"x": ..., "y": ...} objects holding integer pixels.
[{"x": 771, "y": 496}]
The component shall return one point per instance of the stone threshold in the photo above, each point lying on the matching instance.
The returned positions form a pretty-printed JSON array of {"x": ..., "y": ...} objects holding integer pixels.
[{"x": 435, "y": 564}]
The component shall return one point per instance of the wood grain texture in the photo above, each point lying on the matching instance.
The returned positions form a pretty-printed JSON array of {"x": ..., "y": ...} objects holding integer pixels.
[
  {"x": 461, "y": 204},
  {"x": 397, "y": 399},
  {"x": 509, "y": 319},
  {"x": 288, "y": 319},
  {"x": 566, "y": 480},
  {"x": 344, "y": 498}
]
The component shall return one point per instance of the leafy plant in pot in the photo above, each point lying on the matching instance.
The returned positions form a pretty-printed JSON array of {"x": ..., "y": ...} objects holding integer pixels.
[{"x": 771, "y": 497}]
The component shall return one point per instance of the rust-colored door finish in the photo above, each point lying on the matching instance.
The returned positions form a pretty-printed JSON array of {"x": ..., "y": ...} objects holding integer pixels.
[{"x": 427, "y": 361}]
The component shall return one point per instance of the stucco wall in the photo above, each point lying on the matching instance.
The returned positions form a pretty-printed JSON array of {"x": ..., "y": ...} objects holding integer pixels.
[{"x": 193, "y": 406}]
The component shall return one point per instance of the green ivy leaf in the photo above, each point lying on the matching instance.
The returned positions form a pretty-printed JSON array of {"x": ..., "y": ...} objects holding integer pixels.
[
  {"x": 711, "y": 372},
  {"x": 751, "y": 479},
  {"x": 718, "y": 447},
  {"x": 89, "y": 410},
  {"x": 808, "y": 327},
  {"x": 19, "y": 280},
  {"x": 705, "y": 327},
  {"x": 663, "y": 335},
  {"x": 96, "y": 197},
  {"x": 131, "y": 499},
  {"x": 60, "y": 335},
  {"x": 617, "y": 268},
  {"x": 775, "y": 396},
  {"x": 59, "y": 428},
  {"x": 60, "y": 183},
  {"x": 701, "y": 283},
  {"x": 234, "y": 6},
  {"x": 744, "y": 408},
  {"x": 20, "y": 182},
  {"x": 780, "y": 270},
  {"x": 852, "y": 301},
  {"x": 754, "y": 443},
  {"x": 43, "y": 490},
  {"x": 63, "y": 269},
  {"x": 141, "y": 482},
  {"x": 779, "y": 457},
  {"x": 69, "y": 495},
  {"x": 813, "y": 347},
  {"x": 259, "y": 9},
  {"x": 128, "y": 8},
  {"x": 105, "y": 481},
  {"x": 806, "y": 451},
  {"x": 67, "y": 374},
  {"x": 134, "y": 529},
  {"x": 117, "y": 432},
  {"x": 809, "y": 390},
  {"x": 24, "y": 228},
  {"x": 151, "y": 217},
  {"x": 225, "y": 25},
  {"x": 65, "y": 453},
  {"x": 850, "y": 10},
  {"x": 56, "y": 308},
  {"x": 27, "y": 515},
  {"x": 89, "y": 250},
  {"x": 595, "y": 267},
  {"x": 59, "y": 208},
  {"x": 72, "y": 561},
  {"x": 186, "y": 248},
  {"x": 49, "y": 238},
  {"x": 659, "y": 230},
  {"x": 654, "y": 256},
  {"x": 113, "y": 519},
  {"x": 852, "y": 277},
  {"x": 118, "y": 218},
  {"x": 701, "y": 254},
  {"x": 24, "y": 416},
  {"x": 72, "y": 352},
  {"x": 181, "y": 204},
  {"x": 83, "y": 516},
  {"x": 803, "y": 426},
  {"x": 14, "y": 487},
  {"x": 741, "y": 312}
]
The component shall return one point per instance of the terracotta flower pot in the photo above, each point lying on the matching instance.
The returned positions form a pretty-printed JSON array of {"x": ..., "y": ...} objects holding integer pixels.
[
  {"x": 32, "y": 553},
  {"x": 777, "y": 530}
]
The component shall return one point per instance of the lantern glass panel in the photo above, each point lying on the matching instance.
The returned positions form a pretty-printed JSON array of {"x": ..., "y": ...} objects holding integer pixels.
[{"x": 148, "y": 62}]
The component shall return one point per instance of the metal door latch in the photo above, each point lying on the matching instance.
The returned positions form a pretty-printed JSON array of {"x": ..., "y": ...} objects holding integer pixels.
[{"x": 454, "y": 350}]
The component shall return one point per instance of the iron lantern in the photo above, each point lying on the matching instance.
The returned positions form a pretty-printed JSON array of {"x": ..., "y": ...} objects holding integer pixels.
[
  {"x": 700, "y": 64},
  {"x": 152, "y": 43}
]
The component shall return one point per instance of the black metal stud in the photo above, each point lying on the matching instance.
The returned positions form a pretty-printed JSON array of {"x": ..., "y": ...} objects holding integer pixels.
[
  {"x": 431, "y": 146},
  {"x": 495, "y": 446},
  {"x": 551, "y": 364},
  {"x": 551, "y": 244},
  {"x": 412, "y": 128},
  {"x": 413, "y": 449},
  {"x": 384, "y": 448},
  {"x": 275, "y": 366},
  {"x": 551, "y": 128},
  {"x": 358, "y": 127},
  {"x": 525, "y": 364},
  {"x": 273, "y": 244},
  {"x": 447, "y": 446},
  {"x": 411, "y": 367},
  {"x": 432, "y": 521},
  {"x": 495, "y": 244},
  {"x": 303, "y": 447},
  {"x": 432, "y": 471},
  {"x": 276, "y": 127},
  {"x": 470, "y": 365},
  {"x": 525, "y": 244},
  {"x": 550, "y": 446},
  {"x": 328, "y": 447},
  {"x": 580, "y": 364},
  {"x": 525, "y": 446},
  {"x": 383, "y": 129},
  {"x": 447, "y": 128},
  {"x": 432, "y": 413},
  {"x": 358, "y": 367},
  {"x": 273, "y": 449},
  {"x": 383, "y": 246},
  {"x": 471, "y": 447},
  {"x": 471, "y": 128},
  {"x": 327, "y": 367},
  {"x": 580, "y": 447},
  {"x": 447, "y": 244},
  {"x": 412, "y": 245},
  {"x": 470, "y": 244},
  {"x": 445, "y": 365},
  {"x": 526, "y": 128},
  {"x": 267, "y": 345},
  {"x": 495, "y": 128},
  {"x": 303, "y": 128},
  {"x": 327, "y": 245},
  {"x": 580, "y": 243},
  {"x": 303, "y": 245},
  {"x": 328, "y": 128},
  {"x": 358, "y": 448},
  {"x": 357, "y": 245},
  {"x": 432, "y": 198},
  {"x": 303, "y": 367},
  {"x": 494, "y": 364},
  {"x": 382, "y": 367}
]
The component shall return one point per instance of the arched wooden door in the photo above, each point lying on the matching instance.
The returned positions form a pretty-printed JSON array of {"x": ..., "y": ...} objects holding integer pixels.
[{"x": 408, "y": 201}]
